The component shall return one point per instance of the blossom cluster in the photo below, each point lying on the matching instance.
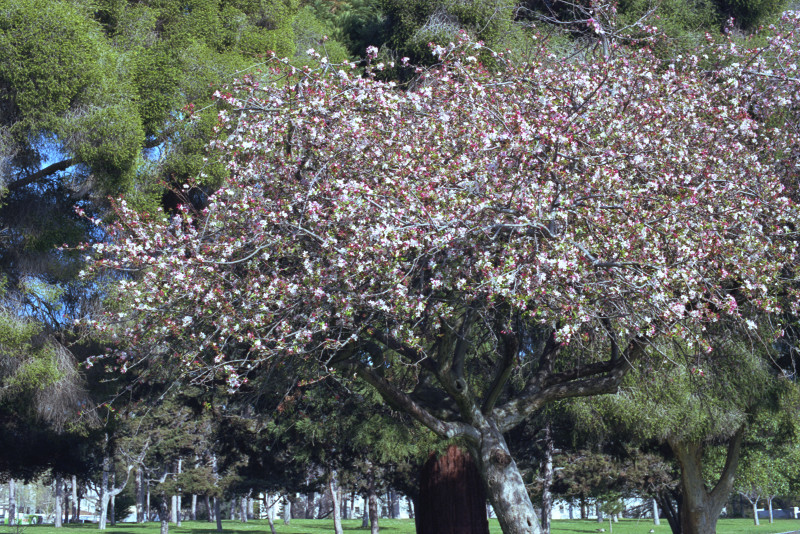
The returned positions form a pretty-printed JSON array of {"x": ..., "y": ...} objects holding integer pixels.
[{"x": 658, "y": 195}]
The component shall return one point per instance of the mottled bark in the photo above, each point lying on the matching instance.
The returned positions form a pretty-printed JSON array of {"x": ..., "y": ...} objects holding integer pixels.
[
  {"x": 163, "y": 513},
  {"x": 193, "y": 513},
  {"x": 547, "y": 480},
  {"x": 58, "y": 501},
  {"x": 75, "y": 500},
  {"x": 139, "y": 493},
  {"x": 12, "y": 501},
  {"x": 337, "y": 516},
  {"x": 504, "y": 485}
]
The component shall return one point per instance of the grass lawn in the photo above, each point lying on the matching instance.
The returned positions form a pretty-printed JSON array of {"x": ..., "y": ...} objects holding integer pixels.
[{"x": 397, "y": 526}]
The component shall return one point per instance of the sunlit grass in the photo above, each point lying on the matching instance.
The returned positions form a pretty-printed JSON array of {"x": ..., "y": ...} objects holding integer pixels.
[{"x": 399, "y": 526}]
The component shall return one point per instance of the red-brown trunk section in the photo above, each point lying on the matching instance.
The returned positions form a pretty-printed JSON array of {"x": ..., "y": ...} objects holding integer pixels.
[{"x": 452, "y": 499}]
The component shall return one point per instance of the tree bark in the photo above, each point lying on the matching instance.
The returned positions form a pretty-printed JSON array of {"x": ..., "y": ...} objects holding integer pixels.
[
  {"x": 504, "y": 485},
  {"x": 769, "y": 504},
  {"x": 58, "y": 500},
  {"x": 173, "y": 509},
  {"x": 547, "y": 480},
  {"x": 12, "y": 501},
  {"x": 754, "y": 502},
  {"x": 365, "y": 515},
  {"x": 287, "y": 511},
  {"x": 76, "y": 508},
  {"x": 373, "y": 510},
  {"x": 452, "y": 499},
  {"x": 193, "y": 513},
  {"x": 163, "y": 512},
  {"x": 337, "y": 515},
  {"x": 656, "y": 520},
  {"x": 112, "y": 504},
  {"x": 217, "y": 514},
  {"x": 139, "y": 492},
  {"x": 67, "y": 507},
  {"x": 700, "y": 508},
  {"x": 243, "y": 509},
  {"x": 209, "y": 511}
]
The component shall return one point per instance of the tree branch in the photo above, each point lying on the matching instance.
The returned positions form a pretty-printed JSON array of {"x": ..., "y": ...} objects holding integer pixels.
[
  {"x": 568, "y": 385},
  {"x": 725, "y": 483},
  {"x": 41, "y": 173},
  {"x": 403, "y": 401},
  {"x": 502, "y": 372}
]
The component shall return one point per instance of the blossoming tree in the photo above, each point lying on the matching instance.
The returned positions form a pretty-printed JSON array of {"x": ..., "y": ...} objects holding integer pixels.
[{"x": 485, "y": 242}]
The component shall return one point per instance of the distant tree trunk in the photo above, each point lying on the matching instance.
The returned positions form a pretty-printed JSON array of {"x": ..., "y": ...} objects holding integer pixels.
[
  {"x": 112, "y": 504},
  {"x": 373, "y": 511},
  {"x": 365, "y": 515},
  {"x": 243, "y": 509},
  {"x": 12, "y": 501},
  {"x": 193, "y": 513},
  {"x": 769, "y": 504},
  {"x": 149, "y": 517},
  {"x": 700, "y": 508},
  {"x": 287, "y": 511},
  {"x": 547, "y": 480},
  {"x": 656, "y": 520},
  {"x": 139, "y": 492},
  {"x": 163, "y": 512},
  {"x": 58, "y": 500},
  {"x": 337, "y": 515},
  {"x": 754, "y": 504},
  {"x": 232, "y": 510},
  {"x": 217, "y": 514},
  {"x": 75, "y": 500},
  {"x": 599, "y": 512},
  {"x": 178, "y": 500},
  {"x": 452, "y": 498},
  {"x": 67, "y": 508},
  {"x": 173, "y": 509},
  {"x": 584, "y": 513},
  {"x": 209, "y": 511},
  {"x": 104, "y": 493}
]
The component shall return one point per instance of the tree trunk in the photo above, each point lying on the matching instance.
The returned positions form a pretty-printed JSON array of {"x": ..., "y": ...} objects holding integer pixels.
[
  {"x": 67, "y": 508},
  {"x": 337, "y": 515},
  {"x": 112, "y": 504},
  {"x": 271, "y": 524},
  {"x": 373, "y": 510},
  {"x": 163, "y": 513},
  {"x": 365, "y": 515},
  {"x": 656, "y": 520},
  {"x": 700, "y": 508},
  {"x": 599, "y": 512},
  {"x": 547, "y": 480},
  {"x": 209, "y": 511},
  {"x": 769, "y": 504},
  {"x": 243, "y": 509},
  {"x": 12, "y": 502},
  {"x": 452, "y": 499},
  {"x": 178, "y": 500},
  {"x": 504, "y": 485},
  {"x": 76, "y": 508},
  {"x": 193, "y": 513},
  {"x": 217, "y": 514},
  {"x": 173, "y": 509},
  {"x": 58, "y": 500},
  {"x": 104, "y": 495},
  {"x": 149, "y": 517},
  {"x": 754, "y": 503},
  {"x": 287, "y": 511},
  {"x": 138, "y": 491}
]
